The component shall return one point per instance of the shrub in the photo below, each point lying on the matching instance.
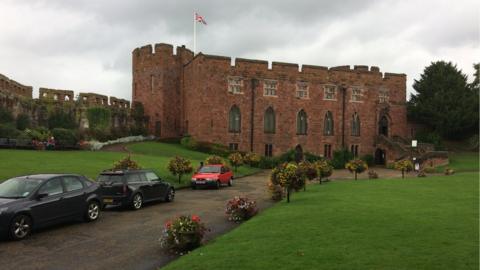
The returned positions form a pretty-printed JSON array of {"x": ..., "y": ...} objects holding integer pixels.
[
  {"x": 356, "y": 166},
  {"x": 39, "y": 134},
  {"x": 310, "y": 157},
  {"x": 189, "y": 142},
  {"x": 252, "y": 159},
  {"x": 287, "y": 157},
  {"x": 368, "y": 159},
  {"x": 240, "y": 208},
  {"x": 179, "y": 166},
  {"x": 182, "y": 234},
  {"x": 390, "y": 165},
  {"x": 236, "y": 160},
  {"x": 126, "y": 164},
  {"x": 65, "y": 137},
  {"x": 404, "y": 166},
  {"x": 340, "y": 158},
  {"x": 449, "y": 171},
  {"x": 277, "y": 192},
  {"x": 5, "y": 116},
  {"x": 268, "y": 162},
  {"x": 214, "y": 160},
  {"x": 23, "y": 121},
  {"x": 324, "y": 169},
  {"x": 372, "y": 174},
  {"x": 421, "y": 174},
  {"x": 100, "y": 135},
  {"x": 429, "y": 169},
  {"x": 8, "y": 130}
]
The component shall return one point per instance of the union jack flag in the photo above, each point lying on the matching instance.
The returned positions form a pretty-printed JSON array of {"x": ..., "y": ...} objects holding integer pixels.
[{"x": 200, "y": 18}]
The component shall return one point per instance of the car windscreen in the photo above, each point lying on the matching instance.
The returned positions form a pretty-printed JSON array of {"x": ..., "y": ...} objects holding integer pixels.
[
  {"x": 110, "y": 179},
  {"x": 18, "y": 187},
  {"x": 209, "y": 169}
]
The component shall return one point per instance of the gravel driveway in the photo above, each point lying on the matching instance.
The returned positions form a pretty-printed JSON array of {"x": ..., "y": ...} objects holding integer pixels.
[{"x": 124, "y": 239}]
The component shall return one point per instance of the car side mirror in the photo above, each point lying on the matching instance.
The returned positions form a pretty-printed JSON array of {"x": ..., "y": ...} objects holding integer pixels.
[{"x": 41, "y": 195}]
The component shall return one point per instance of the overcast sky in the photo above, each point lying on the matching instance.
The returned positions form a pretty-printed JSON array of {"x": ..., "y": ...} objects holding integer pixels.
[{"x": 87, "y": 45}]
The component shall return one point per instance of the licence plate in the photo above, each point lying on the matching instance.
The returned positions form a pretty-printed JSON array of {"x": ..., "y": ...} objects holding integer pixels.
[
  {"x": 200, "y": 182},
  {"x": 108, "y": 200}
]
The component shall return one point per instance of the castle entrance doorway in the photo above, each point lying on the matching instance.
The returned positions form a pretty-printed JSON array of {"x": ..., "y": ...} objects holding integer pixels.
[
  {"x": 298, "y": 153},
  {"x": 380, "y": 157}
]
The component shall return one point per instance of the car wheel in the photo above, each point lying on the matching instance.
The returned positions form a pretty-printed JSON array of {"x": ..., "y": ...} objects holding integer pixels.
[
  {"x": 137, "y": 201},
  {"x": 230, "y": 182},
  {"x": 217, "y": 186},
  {"x": 93, "y": 211},
  {"x": 20, "y": 227},
  {"x": 170, "y": 195}
]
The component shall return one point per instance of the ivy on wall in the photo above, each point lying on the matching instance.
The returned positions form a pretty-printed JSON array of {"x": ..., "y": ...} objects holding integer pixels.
[{"x": 98, "y": 118}]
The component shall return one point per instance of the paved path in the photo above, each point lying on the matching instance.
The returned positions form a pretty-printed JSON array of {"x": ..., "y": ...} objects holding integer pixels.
[{"x": 124, "y": 239}]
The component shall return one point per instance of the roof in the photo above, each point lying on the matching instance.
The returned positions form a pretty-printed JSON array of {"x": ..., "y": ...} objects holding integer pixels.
[
  {"x": 44, "y": 175},
  {"x": 125, "y": 171}
]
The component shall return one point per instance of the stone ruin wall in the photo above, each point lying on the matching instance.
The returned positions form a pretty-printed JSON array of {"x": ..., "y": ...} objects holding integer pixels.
[{"x": 18, "y": 99}]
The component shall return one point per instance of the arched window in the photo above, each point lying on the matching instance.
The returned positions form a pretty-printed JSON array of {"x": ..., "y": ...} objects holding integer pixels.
[
  {"x": 302, "y": 122},
  {"x": 328, "y": 124},
  {"x": 269, "y": 121},
  {"x": 355, "y": 125},
  {"x": 383, "y": 126},
  {"x": 234, "y": 120}
]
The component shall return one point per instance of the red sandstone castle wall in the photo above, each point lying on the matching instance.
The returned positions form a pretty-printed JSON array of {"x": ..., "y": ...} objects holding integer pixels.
[
  {"x": 157, "y": 80},
  {"x": 208, "y": 103},
  {"x": 192, "y": 97}
]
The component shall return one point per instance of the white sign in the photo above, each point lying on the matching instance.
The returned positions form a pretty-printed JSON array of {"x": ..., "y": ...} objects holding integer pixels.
[{"x": 414, "y": 143}]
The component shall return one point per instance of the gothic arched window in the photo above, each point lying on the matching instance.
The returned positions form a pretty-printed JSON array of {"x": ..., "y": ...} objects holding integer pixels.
[
  {"x": 234, "y": 120},
  {"x": 328, "y": 124},
  {"x": 355, "y": 125},
  {"x": 269, "y": 121},
  {"x": 302, "y": 122}
]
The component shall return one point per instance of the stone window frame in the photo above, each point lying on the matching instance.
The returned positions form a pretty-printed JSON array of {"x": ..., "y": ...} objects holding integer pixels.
[
  {"x": 302, "y": 122},
  {"x": 233, "y": 146},
  {"x": 356, "y": 94},
  {"x": 268, "y": 89},
  {"x": 355, "y": 125},
  {"x": 235, "y": 85},
  {"x": 302, "y": 93},
  {"x": 269, "y": 121},
  {"x": 234, "y": 120},
  {"x": 328, "y": 124},
  {"x": 383, "y": 95},
  {"x": 327, "y": 92}
]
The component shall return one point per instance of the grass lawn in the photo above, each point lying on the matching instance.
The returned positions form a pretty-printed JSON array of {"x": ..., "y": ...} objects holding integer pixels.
[
  {"x": 462, "y": 162},
  {"x": 417, "y": 223},
  {"x": 152, "y": 155}
]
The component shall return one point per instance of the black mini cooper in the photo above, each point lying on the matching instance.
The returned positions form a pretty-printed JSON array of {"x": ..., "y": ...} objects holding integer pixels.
[
  {"x": 133, "y": 188},
  {"x": 34, "y": 201}
]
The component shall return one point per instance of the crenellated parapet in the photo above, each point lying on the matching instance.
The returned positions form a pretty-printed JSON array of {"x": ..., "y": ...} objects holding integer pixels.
[
  {"x": 13, "y": 87},
  {"x": 56, "y": 95},
  {"x": 119, "y": 103},
  {"x": 92, "y": 99}
]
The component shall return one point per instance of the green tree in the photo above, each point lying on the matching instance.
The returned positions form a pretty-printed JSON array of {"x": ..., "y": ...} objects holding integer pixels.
[
  {"x": 444, "y": 101},
  {"x": 236, "y": 160},
  {"x": 179, "y": 166}
]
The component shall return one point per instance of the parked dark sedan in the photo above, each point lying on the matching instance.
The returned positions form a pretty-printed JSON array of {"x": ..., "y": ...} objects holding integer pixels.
[
  {"x": 33, "y": 201},
  {"x": 133, "y": 188}
]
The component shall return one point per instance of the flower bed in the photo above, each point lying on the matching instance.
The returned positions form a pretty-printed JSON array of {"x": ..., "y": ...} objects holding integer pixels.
[
  {"x": 240, "y": 208},
  {"x": 183, "y": 234}
]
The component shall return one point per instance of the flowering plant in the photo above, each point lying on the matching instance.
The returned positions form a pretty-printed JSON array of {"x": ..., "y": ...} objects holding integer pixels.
[
  {"x": 251, "y": 159},
  {"x": 183, "y": 234},
  {"x": 126, "y": 164},
  {"x": 404, "y": 166},
  {"x": 235, "y": 159},
  {"x": 240, "y": 208},
  {"x": 356, "y": 166},
  {"x": 324, "y": 169}
]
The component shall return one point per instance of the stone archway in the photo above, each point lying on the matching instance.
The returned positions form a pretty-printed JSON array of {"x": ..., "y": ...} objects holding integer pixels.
[
  {"x": 380, "y": 156},
  {"x": 298, "y": 153}
]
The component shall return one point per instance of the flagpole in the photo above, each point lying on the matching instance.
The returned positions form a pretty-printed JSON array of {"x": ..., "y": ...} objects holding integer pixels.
[{"x": 194, "y": 34}]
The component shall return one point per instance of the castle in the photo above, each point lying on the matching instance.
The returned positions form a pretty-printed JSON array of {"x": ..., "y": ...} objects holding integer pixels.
[{"x": 249, "y": 105}]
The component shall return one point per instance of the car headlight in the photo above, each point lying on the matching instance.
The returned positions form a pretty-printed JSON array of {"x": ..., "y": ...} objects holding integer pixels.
[{"x": 3, "y": 210}]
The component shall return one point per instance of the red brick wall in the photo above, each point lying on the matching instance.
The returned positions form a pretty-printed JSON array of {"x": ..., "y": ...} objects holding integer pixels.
[{"x": 204, "y": 101}]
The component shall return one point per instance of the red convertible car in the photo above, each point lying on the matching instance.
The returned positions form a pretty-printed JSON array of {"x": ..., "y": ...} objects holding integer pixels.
[{"x": 213, "y": 176}]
